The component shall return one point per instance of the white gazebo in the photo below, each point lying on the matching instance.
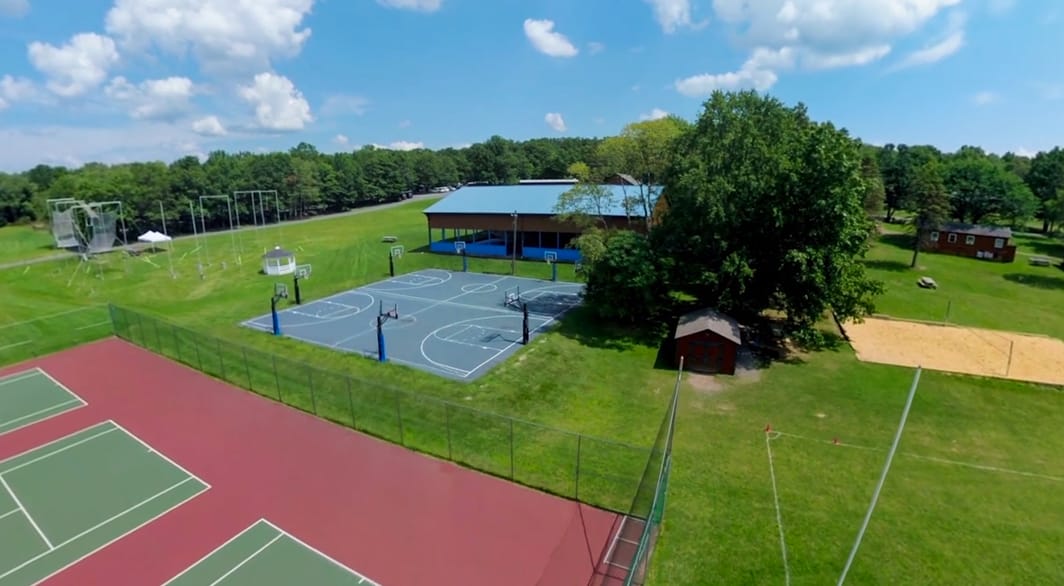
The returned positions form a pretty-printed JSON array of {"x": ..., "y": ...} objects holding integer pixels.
[{"x": 279, "y": 262}]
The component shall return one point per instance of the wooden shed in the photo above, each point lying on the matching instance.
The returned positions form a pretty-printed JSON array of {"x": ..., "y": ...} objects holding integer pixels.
[{"x": 708, "y": 341}]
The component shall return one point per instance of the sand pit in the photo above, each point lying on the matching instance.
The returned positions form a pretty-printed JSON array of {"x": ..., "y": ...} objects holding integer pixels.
[{"x": 958, "y": 349}]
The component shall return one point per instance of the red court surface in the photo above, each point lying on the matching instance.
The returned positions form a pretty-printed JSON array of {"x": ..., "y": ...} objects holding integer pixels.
[{"x": 397, "y": 517}]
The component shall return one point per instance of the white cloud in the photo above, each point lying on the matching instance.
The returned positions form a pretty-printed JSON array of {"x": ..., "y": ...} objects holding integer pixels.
[
  {"x": 22, "y": 148},
  {"x": 341, "y": 140},
  {"x": 674, "y": 14},
  {"x": 555, "y": 121},
  {"x": 655, "y": 114},
  {"x": 595, "y": 47},
  {"x": 14, "y": 8},
  {"x": 340, "y": 105},
  {"x": 78, "y": 66},
  {"x": 209, "y": 126},
  {"x": 155, "y": 99},
  {"x": 948, "y": 44},
  {"x": 278, "y": 104},
  {"x": 1025, "y": 152},
  {"x": 16, "y": 89},
  {"x": 400, "y": 145},
  {"x": 543, "y": 37},
  {"x": 813, "y": 35},
  {"x": 415, "y": 5},
  {"x": 758, "y": 73},
  {"x": 985, "y": 98},
  {"x": 233, "y": 36}
]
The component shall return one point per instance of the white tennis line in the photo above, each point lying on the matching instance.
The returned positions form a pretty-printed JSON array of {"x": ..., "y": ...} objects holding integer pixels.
[
  {"x": 247, "y": 559},
  {"x": 20, "y": 376},
  {"x": 466, "y": 305},
  {"x": 49, "y": 316},
  {"x": 50, "y": 454},
  {"x": 95, "y": 325},
  {"x": 62, "y": 386},
  {"x": 416, "y": 312},
  {"x": 779, "y": 513},
  {"x": 101, "y": 524},
  {"x": 11, "y": 512},
  {"x": 215, "y": 550},
  {"x": 157, "y": 453},
  {"x": 15, "y": 344},
  {"x": 983, "y": 467},
  {"x": 29, "y": 518},
  {"x": 363, "y": 579},
  {"x": 4, "y": 424}
]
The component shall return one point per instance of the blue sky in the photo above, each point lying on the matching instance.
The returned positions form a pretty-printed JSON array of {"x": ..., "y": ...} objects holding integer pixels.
[{"x": 121, "y": 80}]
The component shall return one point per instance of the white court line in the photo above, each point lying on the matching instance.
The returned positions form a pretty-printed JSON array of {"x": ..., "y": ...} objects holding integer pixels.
[
  {"x": 464, "y": 329},
  {"x": 29, "y": 518},
  {"x": 11, "y": 512},
  {"x": 15, "y": 344},
  {"x": 4, "y": 424},
  {"x": 95, "y": 325},
  {"x": 157, "y": 453},
  {"x": 101, "y": 524},
  {"x": 49, "y": 316},
  {"x": 779, "y": 513},
  {"x": 50, "y": 454},
  {"x": 419, "y": 311},
  {"x": 247, "y": 559},
  {"x": 508, "y": 346},
  {"x": 20, "y": 376},
  {"x": 499, "y": 310},
  {"x": 983, "y": 467},
  {"x": 62, "y": 386},
  {"x": 362, "y": 579},
  {"x": 215, "y": 550}
]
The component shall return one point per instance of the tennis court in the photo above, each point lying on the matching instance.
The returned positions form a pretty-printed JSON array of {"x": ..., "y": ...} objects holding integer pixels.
[
  {"x": 30, "y": 396},
  {"x": 454, "y": 324},
  {"x": 265, "y": 554},
  {"x": 62, "y": 501}
]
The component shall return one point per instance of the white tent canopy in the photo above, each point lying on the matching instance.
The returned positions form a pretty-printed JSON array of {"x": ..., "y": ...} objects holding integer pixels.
[{"x": 153, "y": 237}]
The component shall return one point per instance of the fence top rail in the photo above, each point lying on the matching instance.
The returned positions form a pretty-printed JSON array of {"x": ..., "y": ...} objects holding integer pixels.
[{"x": 386, "y": 387}]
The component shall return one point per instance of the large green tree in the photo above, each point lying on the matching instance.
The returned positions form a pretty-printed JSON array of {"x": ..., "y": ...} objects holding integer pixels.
[
  {"x": 643, "y": 150},
  {"x": 930, "y": 204},
  {"x": 766, "y": 212},
  {"x": 1046, "y": 179},
  {"x": 982, "y": 189}
]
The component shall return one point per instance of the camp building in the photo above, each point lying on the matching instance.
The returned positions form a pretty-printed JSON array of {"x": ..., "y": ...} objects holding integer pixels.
[{"x": 501, "y": 220}]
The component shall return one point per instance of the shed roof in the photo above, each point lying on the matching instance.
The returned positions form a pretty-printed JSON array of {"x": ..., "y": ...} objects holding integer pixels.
[
  {"x": 977, "y": 230},
  {"x": 278, "y": 252},
  {"x": 711, "y": 320},
  {"x": 524, "y": 199}
]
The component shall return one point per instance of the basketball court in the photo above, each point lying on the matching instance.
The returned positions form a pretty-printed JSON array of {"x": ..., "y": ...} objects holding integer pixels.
[{"x": 454, "y": 324}]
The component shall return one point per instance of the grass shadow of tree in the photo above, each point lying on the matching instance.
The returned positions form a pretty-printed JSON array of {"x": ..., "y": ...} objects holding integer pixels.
[
  {"x": 1039, "y": 281},
  {"x": 1046, "y": 246},
  {"x": 892, "y": 266},
  {"x": 897, "y": 240}
]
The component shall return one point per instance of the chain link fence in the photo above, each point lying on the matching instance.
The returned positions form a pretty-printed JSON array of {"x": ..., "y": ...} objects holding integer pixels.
[{"x": 599, "y": 472}]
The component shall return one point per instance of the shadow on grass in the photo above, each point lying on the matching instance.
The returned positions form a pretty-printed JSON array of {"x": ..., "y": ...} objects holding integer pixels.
[
  {"x": 1046, "y": 246},
  {"x": 902, "y": 241},
  {"x": 893, "y": 266},
  {"x": 1039, "y": 281}
]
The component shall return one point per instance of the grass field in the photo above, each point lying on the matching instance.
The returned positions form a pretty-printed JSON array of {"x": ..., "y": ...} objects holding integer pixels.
[
  {"x": 956, "y": 509},
  {"x": 24, "y": 242}
]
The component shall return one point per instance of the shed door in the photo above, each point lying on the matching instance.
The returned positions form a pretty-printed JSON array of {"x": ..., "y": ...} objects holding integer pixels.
[{"x": 707, "y": 355}]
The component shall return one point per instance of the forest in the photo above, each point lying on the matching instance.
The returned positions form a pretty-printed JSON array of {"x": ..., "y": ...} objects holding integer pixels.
[{"x": 983, "y": 187}]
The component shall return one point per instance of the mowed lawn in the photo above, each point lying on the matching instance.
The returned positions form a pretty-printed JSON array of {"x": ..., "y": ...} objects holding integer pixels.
[
  {"x": 939, "y": 521},
  {"x": 24, "y": 242},
  {"x": 1013, "y": 296}
]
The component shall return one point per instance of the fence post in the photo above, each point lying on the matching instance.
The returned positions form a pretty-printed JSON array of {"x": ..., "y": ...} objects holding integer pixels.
[
  {"x": 221, "y": 359},
  {"x": 140, "y": 328},
  {"x": 247, "y": 368},
  {"x": 576, "y": 490},
  {"x": 313, "y": 400},
  {"x": 276, "y": 379},
  {"x": 199, "y": 359},
  {"x": 114, "y": 322},
  {"x": 511, "y": 447},
  {"x": 177, "y": 342},
  {"x": 351, "y": 403},
  {"x": 399, "y": 416},
  {"x": 447, "y": 413},
  {"x": 158, "y": 337}
]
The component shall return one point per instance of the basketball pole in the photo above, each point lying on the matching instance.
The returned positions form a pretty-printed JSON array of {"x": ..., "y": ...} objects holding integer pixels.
[
  {"x": 273, "y": 313},
  {"x": 524, "y": 324},
  {"x": 391, "y": 264},
  {"x": 465, "y": 262},
  {"x": 554, "y": 270},
  {"x": 295, "y": 283},
  {"x": 381, "y": 354}
]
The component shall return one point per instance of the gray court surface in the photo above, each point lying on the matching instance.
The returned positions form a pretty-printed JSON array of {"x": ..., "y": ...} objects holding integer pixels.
[{"x": 452, "y": 324}]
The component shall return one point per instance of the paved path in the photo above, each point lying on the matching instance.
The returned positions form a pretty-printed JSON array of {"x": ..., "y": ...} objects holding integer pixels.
[{"x": 356, "y": 211}]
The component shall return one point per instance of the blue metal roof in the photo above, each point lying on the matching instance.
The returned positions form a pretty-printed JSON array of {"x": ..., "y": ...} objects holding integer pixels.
[{"x": 523, "y": 199}]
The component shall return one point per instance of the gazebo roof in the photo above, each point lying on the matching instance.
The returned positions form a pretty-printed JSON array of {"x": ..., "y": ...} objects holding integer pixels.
[{"x": 278, "y": 252}]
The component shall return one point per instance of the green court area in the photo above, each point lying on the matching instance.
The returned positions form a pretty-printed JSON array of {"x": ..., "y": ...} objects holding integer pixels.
[
  {"x": 64, "y": 500},
  {"x": 30, "y": 396},
  {"x": 263, "y": 555}
]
